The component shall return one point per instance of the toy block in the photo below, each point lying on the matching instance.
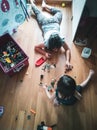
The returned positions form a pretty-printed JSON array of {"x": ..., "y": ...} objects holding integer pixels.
[{"x": 32, "y": 111}]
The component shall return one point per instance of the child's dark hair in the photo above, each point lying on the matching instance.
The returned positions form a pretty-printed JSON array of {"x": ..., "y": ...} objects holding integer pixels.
[
  {"x": 66, "y": 86},
  {"x": 54, "y": 41}
]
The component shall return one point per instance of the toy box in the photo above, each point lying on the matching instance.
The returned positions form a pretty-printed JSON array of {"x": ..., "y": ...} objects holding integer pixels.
[{"x": 12, "y": 57}]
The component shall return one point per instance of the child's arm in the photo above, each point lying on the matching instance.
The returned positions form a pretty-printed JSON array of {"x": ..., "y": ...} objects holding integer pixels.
[
  {"x": 68, "y": 57},
  {"x": 51, "y": 95},
  {"x": 41, "y": 49},
  {"x": 84, "y": 83},
  {"x": 77, "y": 95}
]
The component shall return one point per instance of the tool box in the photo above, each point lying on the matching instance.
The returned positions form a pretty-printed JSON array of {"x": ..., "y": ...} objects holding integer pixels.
[{"x": 12, "y": 57}]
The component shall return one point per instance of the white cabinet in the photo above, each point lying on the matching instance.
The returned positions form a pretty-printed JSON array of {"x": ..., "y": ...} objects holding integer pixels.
[
  {"x": 77, "y": 9},
  {"x": 84, "y": 21}
]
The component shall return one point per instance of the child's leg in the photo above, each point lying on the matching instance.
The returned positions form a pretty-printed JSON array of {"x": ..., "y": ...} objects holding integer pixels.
[
  {"x": 30, "y": 1},
  {"x": 84, "y": 83}
]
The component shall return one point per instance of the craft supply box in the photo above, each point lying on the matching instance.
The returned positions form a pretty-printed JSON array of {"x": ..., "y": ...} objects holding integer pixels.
[{"x": 12, "y": 57}]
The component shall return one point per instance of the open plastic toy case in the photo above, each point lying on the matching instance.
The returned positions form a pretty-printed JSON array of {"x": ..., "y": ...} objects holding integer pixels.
[{"x": 86, "y": 52}]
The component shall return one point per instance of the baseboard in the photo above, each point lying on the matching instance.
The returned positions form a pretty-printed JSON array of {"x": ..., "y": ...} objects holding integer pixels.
[{"x": 67, "y": 2}]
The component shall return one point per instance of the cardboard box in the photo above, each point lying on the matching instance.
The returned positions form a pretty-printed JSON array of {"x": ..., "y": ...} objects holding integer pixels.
[{"x": 12, "y": 57}]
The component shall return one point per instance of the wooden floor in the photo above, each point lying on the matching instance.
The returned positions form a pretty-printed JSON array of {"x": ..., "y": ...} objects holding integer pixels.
[{"x": 21, "y": 92}]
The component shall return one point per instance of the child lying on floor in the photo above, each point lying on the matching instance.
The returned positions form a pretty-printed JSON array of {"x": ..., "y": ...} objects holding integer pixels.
[{"x": 53, "y": 41}]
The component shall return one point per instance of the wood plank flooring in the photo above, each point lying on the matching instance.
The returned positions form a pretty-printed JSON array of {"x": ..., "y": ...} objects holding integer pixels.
[{"x": 21, "y": 92}]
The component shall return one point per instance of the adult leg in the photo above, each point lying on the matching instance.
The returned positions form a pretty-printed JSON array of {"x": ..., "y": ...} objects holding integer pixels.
[
  {"x": 39, "y": 15},
  {"x": 84, "y": 83},
  {"x": 57, "y": 14},
  {"x": 45, "y": 6}
]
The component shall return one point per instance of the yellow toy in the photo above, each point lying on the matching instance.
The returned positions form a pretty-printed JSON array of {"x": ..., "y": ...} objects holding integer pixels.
[
  {"x": 8, "y": 60},
  {"x": 63, "y": 4}
]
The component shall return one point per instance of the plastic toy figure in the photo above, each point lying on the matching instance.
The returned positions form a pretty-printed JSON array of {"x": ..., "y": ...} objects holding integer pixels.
[
  {"x": 1, "y": 110},
  {"x": 42, "y": 126}
]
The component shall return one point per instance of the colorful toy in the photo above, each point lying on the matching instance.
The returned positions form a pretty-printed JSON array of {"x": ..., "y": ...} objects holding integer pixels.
[
  {"x": 49, "y": 90},
  {"x": 40, "y": 61},
  {"x": 44, "y": 68},
  {"x": 1, "y": 110},
  {"x": 32, "y": 111},
  {"x": 86, "y": 52},
  {"x": 53, "y": 82},
  {"x": 41, "y": 78},
  {"x": 48, "y": 67},
  {"x": 42, "y": 126},
  {"x": 63, "y": 4},
  {"x": 10, "y": 55}
]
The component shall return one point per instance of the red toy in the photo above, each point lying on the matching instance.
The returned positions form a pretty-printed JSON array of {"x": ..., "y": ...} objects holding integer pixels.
[{"x": 40, "y": 61}]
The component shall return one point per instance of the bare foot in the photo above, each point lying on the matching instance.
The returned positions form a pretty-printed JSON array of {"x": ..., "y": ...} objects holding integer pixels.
[
  {"x": 32, "y": 1},
  {"x": 43, "y": 4}
]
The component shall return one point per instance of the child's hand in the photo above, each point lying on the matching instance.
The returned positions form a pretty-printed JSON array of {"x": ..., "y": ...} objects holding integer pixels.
[
  {"x": 48, "y": 55},
  {"x": 91, "y": 72},
  {"x": 68, "y": 66},
  {"x": 56, "y": 103}
]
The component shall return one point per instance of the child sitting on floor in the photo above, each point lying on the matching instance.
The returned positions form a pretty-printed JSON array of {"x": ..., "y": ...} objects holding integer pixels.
[{"x": 67, "y": 92}]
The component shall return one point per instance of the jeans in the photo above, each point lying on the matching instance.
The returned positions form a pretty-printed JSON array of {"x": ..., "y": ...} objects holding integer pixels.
[{"x": 46, "y": 23}]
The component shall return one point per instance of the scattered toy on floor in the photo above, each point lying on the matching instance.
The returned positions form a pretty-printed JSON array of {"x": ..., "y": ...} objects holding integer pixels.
[
  {"x": 40, "y": 61},
  {"x": 63, "y": 4},
  {"x": 53, "y": 82},
  {"x": 29, "y": 117},
  {"x": 43, "y": 126},
  {"x": 1, "y": 111},
  {"x": 16, "y": 118},
  {"x": 49, "y": 90},
  {"x": 10, "y": 55},
  {"x": 33, "y": 111},
  {"x": 41, "y": 77},
  {"x": 48, "y": 67}
]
